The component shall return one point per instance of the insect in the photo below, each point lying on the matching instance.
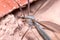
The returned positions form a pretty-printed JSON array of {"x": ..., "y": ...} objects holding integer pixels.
[{"x": 31, "y": 21}]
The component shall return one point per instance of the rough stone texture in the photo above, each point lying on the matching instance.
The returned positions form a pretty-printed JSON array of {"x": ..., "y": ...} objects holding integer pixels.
[
  {"x": 9, "y": 29},
  {"x": 13, "y": 29}
]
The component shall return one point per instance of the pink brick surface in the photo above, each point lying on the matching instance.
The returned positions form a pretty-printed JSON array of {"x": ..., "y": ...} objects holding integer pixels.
[
  {"x": 7, "y": 6},
  {"x": 23, "y": 2}
]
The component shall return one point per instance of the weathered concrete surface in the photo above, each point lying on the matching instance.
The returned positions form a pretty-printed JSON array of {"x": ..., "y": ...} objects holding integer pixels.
[{"x": 13, "y": 29}]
